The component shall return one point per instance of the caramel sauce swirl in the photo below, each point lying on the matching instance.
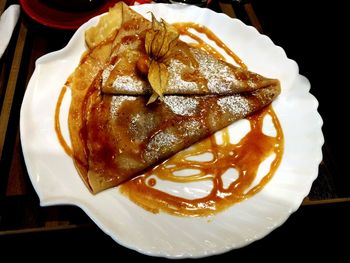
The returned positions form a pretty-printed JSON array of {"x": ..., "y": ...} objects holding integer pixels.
[{"x": 245, "y": 157}]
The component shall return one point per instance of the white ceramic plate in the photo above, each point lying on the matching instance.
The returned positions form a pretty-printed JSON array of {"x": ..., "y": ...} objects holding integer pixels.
[{"x": 56, "y": 181}]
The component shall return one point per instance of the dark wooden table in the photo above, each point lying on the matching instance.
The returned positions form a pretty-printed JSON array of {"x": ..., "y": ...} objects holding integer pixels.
[{"x": 306, "y": 31}]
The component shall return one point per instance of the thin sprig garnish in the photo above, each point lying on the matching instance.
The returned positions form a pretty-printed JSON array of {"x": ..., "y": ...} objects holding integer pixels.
[{"x": 159, "y": 44}]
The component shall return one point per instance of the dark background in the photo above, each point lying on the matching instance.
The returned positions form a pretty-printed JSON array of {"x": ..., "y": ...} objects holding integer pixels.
[{"x": 314, "y": 34}]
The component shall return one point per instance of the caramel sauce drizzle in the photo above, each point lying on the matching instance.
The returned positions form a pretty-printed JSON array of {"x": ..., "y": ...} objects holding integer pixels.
[
  {"x": 68, "y": 150},
  {"x": 184, "y": 28},
  {"x": 245, "y": 157}
]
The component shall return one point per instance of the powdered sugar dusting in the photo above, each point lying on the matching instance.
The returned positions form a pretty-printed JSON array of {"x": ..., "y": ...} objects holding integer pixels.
[
  {"x": 251, "y": 83},
  {"x": 175, "y": 81},
  {"x": 235, "y": 105},
  {"x": 264, "y": 96},
  {"x": 191, "y": 128},
  {"x": 141, "y": 125},
  {"x": 106, "y": 72},
  {"x": 220, "y": 76},
  {"x": 159, "y": 144},
  {"x": 184, "y": 106},
  {"x": 128, "y": 83}
]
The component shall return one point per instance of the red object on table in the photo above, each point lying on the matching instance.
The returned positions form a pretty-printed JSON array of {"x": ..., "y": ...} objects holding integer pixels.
[{"x": 63, "y": 19}]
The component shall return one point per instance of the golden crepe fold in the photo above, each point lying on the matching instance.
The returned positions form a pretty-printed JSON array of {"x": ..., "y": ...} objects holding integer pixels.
[{"x": 115, "y": 135}]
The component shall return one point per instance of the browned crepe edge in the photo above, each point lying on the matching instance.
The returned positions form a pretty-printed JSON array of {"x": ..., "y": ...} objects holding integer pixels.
[{"x": 91, "y": 64}]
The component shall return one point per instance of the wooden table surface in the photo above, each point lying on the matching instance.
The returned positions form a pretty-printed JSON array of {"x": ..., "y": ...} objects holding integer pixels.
[{"x": 21, "y": 217}]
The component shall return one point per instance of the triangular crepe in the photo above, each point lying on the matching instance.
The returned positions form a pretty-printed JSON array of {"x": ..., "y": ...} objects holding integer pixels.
[{"x": 116, "y": 135}]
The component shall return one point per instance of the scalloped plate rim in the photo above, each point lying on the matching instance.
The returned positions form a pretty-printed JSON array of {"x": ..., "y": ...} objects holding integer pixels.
[{"x": 76, "y": 201}]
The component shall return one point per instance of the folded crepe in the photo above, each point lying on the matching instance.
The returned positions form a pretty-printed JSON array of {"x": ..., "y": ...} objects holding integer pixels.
[{"x": 117, "y": 125}]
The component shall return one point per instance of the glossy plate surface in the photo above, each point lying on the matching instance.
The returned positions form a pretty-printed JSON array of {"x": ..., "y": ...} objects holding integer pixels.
[{"x": 56, "y": 181}]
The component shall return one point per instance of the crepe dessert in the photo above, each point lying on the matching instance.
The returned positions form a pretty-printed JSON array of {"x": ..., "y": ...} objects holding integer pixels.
[{"x": 140, "y": 95}]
